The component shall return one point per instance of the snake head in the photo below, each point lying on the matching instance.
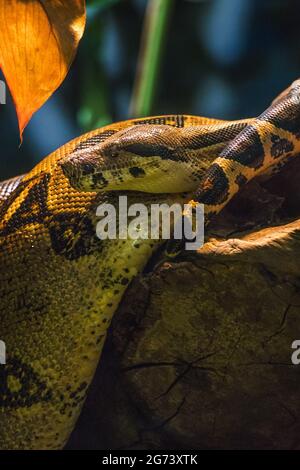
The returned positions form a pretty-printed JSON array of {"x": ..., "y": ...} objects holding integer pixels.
[{"x": 146, "y": 158}]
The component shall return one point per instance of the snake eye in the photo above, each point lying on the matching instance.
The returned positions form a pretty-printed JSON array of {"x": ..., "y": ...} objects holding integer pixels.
[{"x": 113, "y": 150}]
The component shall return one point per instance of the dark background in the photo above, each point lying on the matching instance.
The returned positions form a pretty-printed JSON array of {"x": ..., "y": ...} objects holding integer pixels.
[{"x": 222, "y": 58}]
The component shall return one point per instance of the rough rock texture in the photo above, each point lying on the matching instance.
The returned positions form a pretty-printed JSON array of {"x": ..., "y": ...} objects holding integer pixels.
[{"x": 199, "y": 353}]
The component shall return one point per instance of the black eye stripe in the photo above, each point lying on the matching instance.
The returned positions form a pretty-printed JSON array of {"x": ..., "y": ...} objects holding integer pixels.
[{"x": 151, "y": 150}]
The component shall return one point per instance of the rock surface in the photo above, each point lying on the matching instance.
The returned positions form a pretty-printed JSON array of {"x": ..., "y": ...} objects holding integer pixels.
[{"x": 199, "y": 353}]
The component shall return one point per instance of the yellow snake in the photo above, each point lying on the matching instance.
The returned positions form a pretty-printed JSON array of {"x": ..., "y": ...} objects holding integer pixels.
[{"x": 60, "y": 285}]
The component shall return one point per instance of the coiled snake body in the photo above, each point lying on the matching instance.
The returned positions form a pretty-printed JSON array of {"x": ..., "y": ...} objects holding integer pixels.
[{"x": 60, "y": 285}]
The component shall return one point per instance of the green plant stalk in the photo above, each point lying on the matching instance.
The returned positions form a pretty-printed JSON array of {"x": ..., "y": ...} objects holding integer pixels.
[{"x": 153, "y": 36}]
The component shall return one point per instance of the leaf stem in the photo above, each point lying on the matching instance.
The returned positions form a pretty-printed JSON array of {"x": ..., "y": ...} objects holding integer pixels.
[{"x": 153, "y": 36}]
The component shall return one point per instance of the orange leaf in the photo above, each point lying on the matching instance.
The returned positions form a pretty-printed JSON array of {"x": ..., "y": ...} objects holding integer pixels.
[{"x": 38, "y": 42}]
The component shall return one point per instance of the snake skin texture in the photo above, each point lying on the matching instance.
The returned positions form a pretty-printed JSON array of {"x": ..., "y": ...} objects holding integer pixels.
[
  {"x": 8, "y": 186},
  {"x": 60, "y": 285},
  {"x": 264, "y": 145}
]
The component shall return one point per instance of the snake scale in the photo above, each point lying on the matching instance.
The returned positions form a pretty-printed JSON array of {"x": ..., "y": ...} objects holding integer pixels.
[{"x": 60, "y": 284}]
